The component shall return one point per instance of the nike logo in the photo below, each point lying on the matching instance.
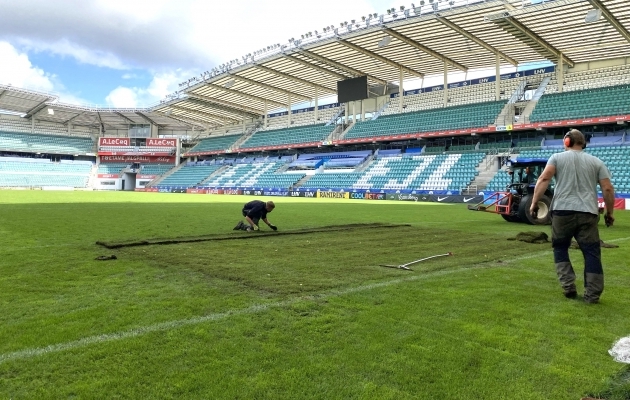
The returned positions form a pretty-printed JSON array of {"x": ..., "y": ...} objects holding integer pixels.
[
  {"x": 467, "y": 200},
  {"x": 442, "y": 198}
]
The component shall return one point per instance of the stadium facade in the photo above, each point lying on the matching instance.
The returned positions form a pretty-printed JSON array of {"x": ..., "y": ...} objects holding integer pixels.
[{"x": 513, "y": 76}]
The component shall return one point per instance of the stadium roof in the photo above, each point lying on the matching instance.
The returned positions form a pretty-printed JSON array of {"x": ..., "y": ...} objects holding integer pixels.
[{"x": 462, "y": 35}]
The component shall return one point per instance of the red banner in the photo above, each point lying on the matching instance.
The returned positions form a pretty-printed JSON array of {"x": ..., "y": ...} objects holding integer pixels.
[
  {"x": 572, "y": 122},
  {"x": 620, "y": 204},
  {"x": 115, "y": 176},
  {"x": 135, "y": 153},
  {"x": 138, "y": 159},
  {"x": 114, "y": 141},
  {"x": 161, "y": 142}
]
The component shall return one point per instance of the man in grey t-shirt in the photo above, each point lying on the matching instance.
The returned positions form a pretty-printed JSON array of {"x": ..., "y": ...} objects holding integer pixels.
[{"x": 575, "y": 212}]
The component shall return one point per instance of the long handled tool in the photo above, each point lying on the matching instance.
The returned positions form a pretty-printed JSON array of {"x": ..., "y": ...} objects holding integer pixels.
[{"x": 406, "y": 266}]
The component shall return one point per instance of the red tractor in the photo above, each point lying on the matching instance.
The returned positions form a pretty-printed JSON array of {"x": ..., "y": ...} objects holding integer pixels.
[{"x": 514, "y": 203}]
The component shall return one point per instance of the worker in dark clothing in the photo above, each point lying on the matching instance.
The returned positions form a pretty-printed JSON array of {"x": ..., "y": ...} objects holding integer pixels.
[
  {"x": 575, "y": 212},
  {"x": 253, "y": 212}
]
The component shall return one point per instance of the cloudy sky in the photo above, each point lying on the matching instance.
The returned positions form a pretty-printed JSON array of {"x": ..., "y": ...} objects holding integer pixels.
[{"x": 132, "y": 53}]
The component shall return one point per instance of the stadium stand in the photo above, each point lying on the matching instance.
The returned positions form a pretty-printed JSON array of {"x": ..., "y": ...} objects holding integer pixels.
[
  {"x": 189, "y": 175},
  {"x": 115, "y": 168},
  {"x": 215, "y": 143},
  {"x": 244, "y": 175},
  {"x": 155, "y": 169},
  {"x": 403, "y": 172},
  {"x": 598, "y": 102},
  {"x": 49, "y": 144},
  {"x": 443, "y": 119},
  {"x": 17, "y": 172},
  {"x": 456, "y": 96},
  {"x": 592, "y": 79},
  {"x": 288, "y": 136},
  {"x": 301, "y": 118}
]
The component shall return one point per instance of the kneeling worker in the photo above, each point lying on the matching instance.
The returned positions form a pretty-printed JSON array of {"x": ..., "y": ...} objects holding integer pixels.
[{"x": 253, "y": 212}]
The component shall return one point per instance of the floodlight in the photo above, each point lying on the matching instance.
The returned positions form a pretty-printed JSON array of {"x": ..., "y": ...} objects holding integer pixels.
[
  {"x": 593, "y": 15},
  {"x": 385, "y": 41},
  {"x": 51, "y": 111}
]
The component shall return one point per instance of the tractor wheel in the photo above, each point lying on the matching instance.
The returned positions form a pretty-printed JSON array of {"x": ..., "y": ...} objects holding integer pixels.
[
  {"x": 509, "y": 218},
  {"x": 544, "y": 211}
]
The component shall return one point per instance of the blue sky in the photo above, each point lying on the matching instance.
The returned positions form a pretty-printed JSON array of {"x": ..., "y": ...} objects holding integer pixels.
[{"x": 132, "y": 53}]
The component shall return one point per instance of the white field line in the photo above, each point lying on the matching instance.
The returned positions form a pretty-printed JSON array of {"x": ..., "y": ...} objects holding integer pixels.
[{"x": 256, "y": 308}]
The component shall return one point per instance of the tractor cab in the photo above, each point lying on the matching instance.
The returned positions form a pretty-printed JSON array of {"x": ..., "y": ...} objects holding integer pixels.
[
  {"x": 514, "y": 203},
  {"x": 524, "y": 174}
]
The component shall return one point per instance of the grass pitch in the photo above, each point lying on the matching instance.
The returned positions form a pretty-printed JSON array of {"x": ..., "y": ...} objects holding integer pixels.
[{"x": 294, "y": 316}]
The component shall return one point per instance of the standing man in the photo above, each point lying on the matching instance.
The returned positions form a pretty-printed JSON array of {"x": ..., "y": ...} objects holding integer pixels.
[
  {"x": 575, "y": 212},
  {"x": 253, "y": 212}
]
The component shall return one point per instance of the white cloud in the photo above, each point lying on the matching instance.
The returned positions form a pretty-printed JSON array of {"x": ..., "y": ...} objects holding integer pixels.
[
  {"x": 182, "y": 37},
  {"x": 156, "y": 34},
  {"x": 132, "y": 97},
  {"x": 123, "y": 97},
  {"x": 81, "y": 54},
  {"x": 16, "y": 70}
]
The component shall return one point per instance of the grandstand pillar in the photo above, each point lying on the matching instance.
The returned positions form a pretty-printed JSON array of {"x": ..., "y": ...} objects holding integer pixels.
[
  {"x": 346, "y": 112},
  {"x": 445, "y": 84},
  {"x": 316, "y": 104},
  {"x": 362, "y": 110},
  {"x": 354, "y": 112},
  {"x": 401, "y": 91},
  {"x": 265, "y": 116},
  {"x": 497, "y": 83},
  {"x": 289, "y": 111},
  {"x": 560, "y": 74}
]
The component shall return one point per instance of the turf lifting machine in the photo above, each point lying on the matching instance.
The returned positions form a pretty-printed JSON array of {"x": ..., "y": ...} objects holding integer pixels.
[{"x": 514, "y": 203}]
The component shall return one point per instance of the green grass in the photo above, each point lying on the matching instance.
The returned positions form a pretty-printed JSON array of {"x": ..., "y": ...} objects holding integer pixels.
[{"x": 294, "y": 316}]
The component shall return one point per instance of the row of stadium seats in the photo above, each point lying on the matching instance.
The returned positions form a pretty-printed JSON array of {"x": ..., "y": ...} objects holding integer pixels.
[
  {"x": 302, "y": 118},
  {"x": 480, "y": 93},
  {"x": 113, "y": 168},
  {"x": 591, "y": 79},
  {"x": 287, "y": 136},
  {"x": 34, "y": 143},
  {"x": 216, "y": 143},
  {"x": 457, "y": 117},
  {"x": 600, "y": 102},
  {"x": 26, "y": 173},
  {"x": 188, "y": 176},
  {"x": 155, "y": 169}
]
